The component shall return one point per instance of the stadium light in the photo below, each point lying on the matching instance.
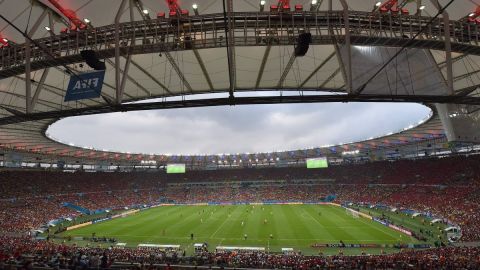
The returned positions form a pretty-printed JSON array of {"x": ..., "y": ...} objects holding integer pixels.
[
  {"x": 378, "y": 4},
  {"x": 262, "y": 6},
  {"x": 86, "y": 20},
  {"x": 145, "y": 11},
  {"x": 471, "y": 14},
  {"x": 313, "y": 5},
  {"x": 47, "y": 28},
  {"x": 422, "y": 7},
  {"x": 195, "y": 9},
  {"x": 5, "y": 40}
]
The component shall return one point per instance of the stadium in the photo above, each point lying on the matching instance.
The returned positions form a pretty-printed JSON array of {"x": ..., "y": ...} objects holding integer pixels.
[{"x": 402, "y": 199}]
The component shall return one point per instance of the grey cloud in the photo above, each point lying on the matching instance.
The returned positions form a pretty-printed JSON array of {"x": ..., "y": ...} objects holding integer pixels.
[{"x": 237, "y": 129}]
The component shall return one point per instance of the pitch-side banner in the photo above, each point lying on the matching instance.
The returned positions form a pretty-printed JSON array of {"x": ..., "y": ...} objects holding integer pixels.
[{"x": 85, "y": 86}]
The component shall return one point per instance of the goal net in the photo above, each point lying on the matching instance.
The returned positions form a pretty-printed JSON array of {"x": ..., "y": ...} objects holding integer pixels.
[{"x": 351, "y": 213}]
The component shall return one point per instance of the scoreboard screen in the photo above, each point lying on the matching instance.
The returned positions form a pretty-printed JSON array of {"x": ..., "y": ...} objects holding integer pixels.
[
  {"x": 315, "y": 163},
  {"x": 175, "y": 168}
]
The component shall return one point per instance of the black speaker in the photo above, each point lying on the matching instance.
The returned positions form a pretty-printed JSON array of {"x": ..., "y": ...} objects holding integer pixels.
[
  {"x": 91, "y": 58},
  {"x": 303, "y": 43}
]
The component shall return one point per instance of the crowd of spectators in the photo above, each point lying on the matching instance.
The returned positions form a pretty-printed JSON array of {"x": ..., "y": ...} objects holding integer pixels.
[
  {"x": 27, "y": 253},
  {"x": 442, "y": 258},
  {"x": 447, "y": 188}
]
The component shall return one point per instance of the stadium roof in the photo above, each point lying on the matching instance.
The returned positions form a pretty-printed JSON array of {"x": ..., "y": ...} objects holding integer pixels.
[{"x": 233, "y": 54}]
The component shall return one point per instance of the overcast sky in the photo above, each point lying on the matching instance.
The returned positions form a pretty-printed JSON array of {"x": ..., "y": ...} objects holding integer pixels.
[{"x": 237, "y": 129}]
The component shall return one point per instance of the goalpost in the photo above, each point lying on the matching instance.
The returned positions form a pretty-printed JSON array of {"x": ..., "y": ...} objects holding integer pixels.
[{"x": 351, "y": 212}]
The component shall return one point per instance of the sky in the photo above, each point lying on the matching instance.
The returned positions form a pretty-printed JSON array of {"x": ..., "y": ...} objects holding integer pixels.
[{"x": 236, "y": 129}]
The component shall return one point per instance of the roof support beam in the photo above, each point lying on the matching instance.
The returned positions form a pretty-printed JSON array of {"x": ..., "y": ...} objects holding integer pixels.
[
  {"x": 466, "y": 75},
  {"x": 230, "y": 47},
  {"x": 151, "y": 77},
  {"x": 324, "y": 62},
  {"x": 461, "y": 98},
  {"x": 139, "y": 6},
  {"x": 448, "y": 46},
  {"x": 179, "y": 72},
  {"x": 442, "y": 65},
  {"x": 46, "y": 103},
  {"x": 113, "y": 64},
  {"x": 132, "y": 80},
  {"x": 419, "y": 11},
  {"x": 330, "y": 78},
  {"x": 264, "y": 63},
  {"x": 125, "y": 72},
  {"x": 28, "y": 79},
  {"x": 348, "y": 47},
  {"x": 51, "y": 24},
  {"x": 287, "y": 69},
  {"x": 204, "y": 69},
  {"x": 40, "y": 84},
  {"x": 28, "y": 49},
  {"x": 131, "y": 6},
  {"x": 118, "y": 79},
  {"x": 466, "y": 91}
]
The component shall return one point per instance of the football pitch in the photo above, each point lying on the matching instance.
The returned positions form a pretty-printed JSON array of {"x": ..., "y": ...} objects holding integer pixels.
[{"x": 270, "y": 226}]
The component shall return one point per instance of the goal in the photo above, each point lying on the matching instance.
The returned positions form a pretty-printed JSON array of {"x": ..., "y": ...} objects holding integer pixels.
[{"x": 351, "y": 212}]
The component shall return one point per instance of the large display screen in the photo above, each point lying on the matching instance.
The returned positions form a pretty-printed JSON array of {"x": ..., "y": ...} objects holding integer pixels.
[
  {"x": 175, "y": 168},
  {"x": 315, "y": 163}
]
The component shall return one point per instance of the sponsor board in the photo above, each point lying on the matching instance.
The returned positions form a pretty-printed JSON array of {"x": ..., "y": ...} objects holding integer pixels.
[
  {"x": 85, "y": 86},
  {"x": 402, "y": 230},
  {"x": 79, "y": 226},
  {"x": 340, "y": 245}
]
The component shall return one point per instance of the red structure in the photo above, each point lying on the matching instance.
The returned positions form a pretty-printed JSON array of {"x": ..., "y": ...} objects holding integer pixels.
[
  {"x": 175, "y": 10},
  {"x": 392, "y": 6},
  {"x": 3, "y": 41},
  {"x": 284, "y": 5},
  {"x": 473, "y": 17},
  {"x": 75, "y": 22}
]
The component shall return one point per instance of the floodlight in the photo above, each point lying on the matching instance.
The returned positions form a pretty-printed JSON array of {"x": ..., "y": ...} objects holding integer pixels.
[
  {"x": 262, "y": 6},
  {"x": 195, "y": 9}
]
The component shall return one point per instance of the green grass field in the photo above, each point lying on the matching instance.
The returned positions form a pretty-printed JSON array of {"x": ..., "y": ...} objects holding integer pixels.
[{"x": 294, "y": 226}]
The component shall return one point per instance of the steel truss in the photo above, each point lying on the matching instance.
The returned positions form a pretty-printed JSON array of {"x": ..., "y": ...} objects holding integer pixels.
[
  {"x": 20, "y": 117},
  {"x": 250, "y": 29}
]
